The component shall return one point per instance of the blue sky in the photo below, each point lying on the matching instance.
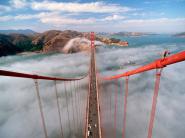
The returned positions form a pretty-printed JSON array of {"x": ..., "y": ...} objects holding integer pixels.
[{"x": 161, "y": 16}]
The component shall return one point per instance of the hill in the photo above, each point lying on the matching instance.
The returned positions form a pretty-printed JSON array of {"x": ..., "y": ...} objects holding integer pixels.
[
  {"x": 67, "y": 41},
  {"x": 49, "y": 41},
  {"x": 54, "y": 40},
  {"x": 16, "y": 43},
  {"x": 134, "y": 34},
  {"x": 6, "y": 46},
  {"x": 180, "y": 35},
  {"x": 21, "y": 31}
]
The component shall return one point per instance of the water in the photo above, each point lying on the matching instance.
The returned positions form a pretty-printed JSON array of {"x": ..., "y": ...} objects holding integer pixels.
[
  {"x": 152, "y": 39},
  {"x": 19, "y": 108}
]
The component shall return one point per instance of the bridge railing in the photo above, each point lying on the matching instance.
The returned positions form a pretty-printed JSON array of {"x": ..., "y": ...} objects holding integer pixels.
[
  {"x": 70, "y": 98},
  {"x": 112, "y": 89}
]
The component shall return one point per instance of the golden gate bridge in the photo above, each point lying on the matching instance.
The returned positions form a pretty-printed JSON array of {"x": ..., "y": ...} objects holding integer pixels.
[{"x": 90, "y": 116}]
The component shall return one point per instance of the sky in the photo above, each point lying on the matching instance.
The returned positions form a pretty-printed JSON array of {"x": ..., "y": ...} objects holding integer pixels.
[{"x": 159, "y": 16}]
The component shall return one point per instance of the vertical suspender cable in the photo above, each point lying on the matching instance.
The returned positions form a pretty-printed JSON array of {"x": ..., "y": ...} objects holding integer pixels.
[
  {"x": 115, "y": 107},
  {"x": 71, "y": 91},
  {"x": 125, "y": 107},
  {"x": 40, "y": 108},
  {"x": 107, "y": 103},
  {"x": 110, "y": 102},
  {"x": 76, "y": 105},
  {"x": 66, "y": 95},
  {"x": 87, "y": 105},
  {"x": 78, "y": 101},
  {"x": 79, "y": 105},
  {"x": 58, "y": 107},
  {"x": 154, "y": 103},
  {"x": 120, "y": 100},
  {"x": 111, "y": 107},
  {"x": 101, "y": 105},
  {"x": 83, "y": 105},
  {"x": 79, "y": 109}
]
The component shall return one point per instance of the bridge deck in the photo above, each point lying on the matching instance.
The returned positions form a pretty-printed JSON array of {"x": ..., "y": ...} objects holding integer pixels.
[{"x": 93, "y": 121}]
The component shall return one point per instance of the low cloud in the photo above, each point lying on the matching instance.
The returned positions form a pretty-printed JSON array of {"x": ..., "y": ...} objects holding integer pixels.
[
  {"x": 4, "y": 8},
  {"x": 19, "y": 111},
  {"x": 18, "y": 3},
  {"x": 59, "y": 20},
  {"x": 73, "y": 15},
  {"x": 5, "y": 18},
  {"x": 158, "y": 25},
  {"x": 165, "y": 25},
  {"x": 170, "y": 109},
  {"x": 40, "y": 15},
  {"x": 93, "y": 7},
  {"x": 45, "y": 18},
  {"x": 113, "y": 18}
]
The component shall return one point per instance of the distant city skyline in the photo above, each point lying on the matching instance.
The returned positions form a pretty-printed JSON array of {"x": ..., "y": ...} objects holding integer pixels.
[{"x": 158, "y": 16}]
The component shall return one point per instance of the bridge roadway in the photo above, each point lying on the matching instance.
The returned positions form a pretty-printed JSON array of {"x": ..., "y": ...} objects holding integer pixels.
[{"x": 93, "y": 129}]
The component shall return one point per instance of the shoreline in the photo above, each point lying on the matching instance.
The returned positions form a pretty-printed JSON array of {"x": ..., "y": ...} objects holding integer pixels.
[{"x": 29, "y": 53}]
